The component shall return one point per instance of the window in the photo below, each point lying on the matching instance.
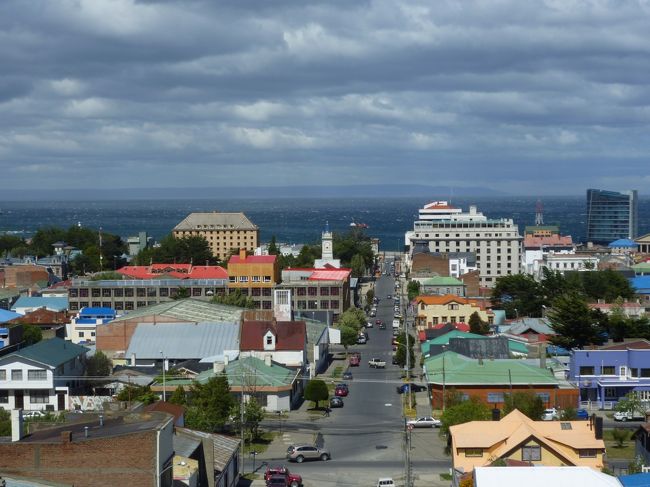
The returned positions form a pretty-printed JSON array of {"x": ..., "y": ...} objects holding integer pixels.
[
  {"x": 587, "y": 370},
  {"x": 243, "y": 278},
  {"x": 266, "y": 291},
  {"x": 255, "y": 279},
  {"x": 313, "y": 304},
  {"x": 588, "y": 453},
  {"x": 269, "y": 339},
  {"x": 4, "y": 397},
  {"x": 645, "y": 372},
  {"x": 118, "y": 293},
  {"x": 83, "y": 293},
  {"x": 197, "y": 291},
  {"x": 39, "y": 397},
  {"x": 325, "y": 304},
  {"x": 312, "y": 291},
  {"x": 302, "y": 291},
  {"x": 37, "y": 374},
  {"x": 73, "y": 293},
  {"x": 461, "y": 319},
  {"x": 608, "y": 370},
  {"x": 452, "y": 306},
  {"x": 334, "y": 304},
  {"x": 267, "y": 278},
  {"x": 473, "y": 452},
  {"x": 128, "y": 293},
  {"x": 81, "y": 334},
  {"x": 106, "y": 293},
  {"x": 266, "y": 305},
  {"x": 95, "y": 293},
  {"x": 494, "y": 397},
  {"x": 232, "y": 278},
  {"x": 324, "y": 291},
  {"x": 302, "y": 304},
  {"x": 256, "y": 291},
  {"x": 566, "y": 426},
  {"x": 3, "y": 375},
  {"x": 141, "y": 292},
  {"x": 531, "y": 453},
  {"x": 16, "y": 374},
  {"x": 334, "y": 291},
  {"x": 544, "y": 396}
]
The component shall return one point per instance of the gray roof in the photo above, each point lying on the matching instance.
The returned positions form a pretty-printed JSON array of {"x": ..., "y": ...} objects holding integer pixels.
[
  {"x": 216, "y": 221},
  {"x": 188, "y": 310},
  {"x": 183, "y": 340},
  {"x": 224, "y": 447},
  {"x": 539, "y": 325}
]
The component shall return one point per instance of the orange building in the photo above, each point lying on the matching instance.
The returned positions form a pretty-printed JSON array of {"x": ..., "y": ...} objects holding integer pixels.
[{"x": 255, "y": 276}]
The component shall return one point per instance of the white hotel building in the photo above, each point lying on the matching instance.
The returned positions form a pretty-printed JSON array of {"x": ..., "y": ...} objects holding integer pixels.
[{"x": 496, "y": 242}]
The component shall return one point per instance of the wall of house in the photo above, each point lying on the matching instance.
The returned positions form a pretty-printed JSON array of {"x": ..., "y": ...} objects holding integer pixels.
[
  {"x": 550, "y": 458},
  {"x": 631, "y": 359},
  {"x": 128, "y": 459},
  {"x": 561, "y": 398},
  {"x": 229, "y": 477},
  {"x": 289, "y": 358},
  {"x": 433, "y": 314},
  {"x": 280, "y": 401}
]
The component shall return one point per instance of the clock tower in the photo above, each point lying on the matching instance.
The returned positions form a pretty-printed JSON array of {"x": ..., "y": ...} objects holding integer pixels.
[{"x": 326, "y": 245}]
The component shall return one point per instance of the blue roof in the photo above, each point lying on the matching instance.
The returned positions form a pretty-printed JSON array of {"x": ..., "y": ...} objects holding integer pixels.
[
  {"x": 7, "y": 315},
  {"x": 641, "y": 284},
  {"x": 622, "y": 242},
  {"x": 54, "y": 304},
  {"x": 97, "y": 311},
  {"x": 635, "y": 480}
]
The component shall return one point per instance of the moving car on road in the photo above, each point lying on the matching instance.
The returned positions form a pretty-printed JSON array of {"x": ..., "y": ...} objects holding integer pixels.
[
  {"x": 425, "y": 422},
  {"x": 292, "y": 479},
  {"x": 301, "y": 452},
  {"x": 377, "y": 363}
]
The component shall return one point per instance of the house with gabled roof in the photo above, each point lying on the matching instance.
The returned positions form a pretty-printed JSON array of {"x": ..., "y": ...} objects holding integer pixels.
[
  {"x": 434, "y": 310},
  {"x": 41, "y": 376},
  {"x": 517, "y": 437},
  {"x": 285, "y": 342}
]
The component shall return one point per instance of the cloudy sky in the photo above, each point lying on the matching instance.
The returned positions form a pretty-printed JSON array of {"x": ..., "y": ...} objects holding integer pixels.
[{"x": 547, "y": 97}]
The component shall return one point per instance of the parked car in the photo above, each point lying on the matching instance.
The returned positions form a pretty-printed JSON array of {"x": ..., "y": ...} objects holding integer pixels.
[
  {"x": 336, "y": 402},
  {"x": 629, "y": 416},
  {"x": 302, "y": 452},
  {"x": 373, "y": 313},
  {"x": 369, "y": 324},
  {"x": 33, "y": 414},
  {"x": 387, "y": 482},
  {"x": 582, "y": 414},
  {"x": 277, "y": 481},
  {"x": 413, "y": 387},
  {"x": 425, "y": 422},
  {"x": 347, "y": 375},
  {"x": 550, "y": 414},
  {"x": 361, "y": 340},
  {"x": 293, "y": 480},
  {"x": 341, "y": 390},
  {"x": 382, "y": 326},
  {"x": 395, "y": 360}
]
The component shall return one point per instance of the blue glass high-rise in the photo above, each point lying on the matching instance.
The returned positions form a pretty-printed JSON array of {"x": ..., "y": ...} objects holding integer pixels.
[{"x": 611, "y": 215}]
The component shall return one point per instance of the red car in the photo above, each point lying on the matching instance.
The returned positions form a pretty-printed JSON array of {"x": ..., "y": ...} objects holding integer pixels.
[
  {"x": 341, "y": 390},
  {"x": 378, "y": 322},
  {"x": 293, "y": 479}
]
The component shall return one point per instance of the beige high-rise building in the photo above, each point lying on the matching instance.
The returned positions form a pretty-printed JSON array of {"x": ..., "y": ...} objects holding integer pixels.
[{"x": 224, "y": 232}]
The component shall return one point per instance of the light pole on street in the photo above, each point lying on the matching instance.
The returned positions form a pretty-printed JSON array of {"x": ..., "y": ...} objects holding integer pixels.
[{"x": 163, "y": 371}]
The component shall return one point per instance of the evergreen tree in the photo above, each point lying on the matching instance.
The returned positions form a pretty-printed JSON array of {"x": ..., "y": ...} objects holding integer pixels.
[
  {"x": 273, "y": 247},
  {"x": 179, "y": 396},
  {"x": 528, "y": 403},
  {"x": 477, "y": 325},
  {"x": 316, "y": 391},
  {"x": 358, "y": 266},
  {"x": 573, "y": 321},
  {"x": 209, "y": 405}
]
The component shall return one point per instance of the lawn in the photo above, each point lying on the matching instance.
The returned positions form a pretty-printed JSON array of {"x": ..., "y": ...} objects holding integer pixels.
[
  {"x": 260, "y": 444},
  {"x": 615, "y": 452}
]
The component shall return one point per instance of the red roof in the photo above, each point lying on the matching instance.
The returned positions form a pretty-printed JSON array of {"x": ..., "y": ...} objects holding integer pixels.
[
  {"x": 289, "y": 335},
  {"x": 530, "y": 241},
  {"x": 634, "y": 345},
  {"x": 177, "y": 271},
  {"x": 252, "y": 259},
  {"x": 459, "y": 326}
]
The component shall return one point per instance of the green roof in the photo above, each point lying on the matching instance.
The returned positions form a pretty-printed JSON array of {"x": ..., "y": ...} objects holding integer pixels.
[
  {"x": 461, "y": 370},
  {"x": 188, "y": 310},
  {"x": 53, "y": 352},
  {"x": 513, "y": 345},
  {"x": 441, "y": 281},
  {"x": 641, "y": 266},
  {"x": 252, "y": 371},
  {"x": 536, "y": 228}
]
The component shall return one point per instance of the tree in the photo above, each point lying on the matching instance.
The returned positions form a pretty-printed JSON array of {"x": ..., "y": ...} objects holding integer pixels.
[
  {"x": 413, "y": 289},
  {"x": 370, "y": 296},
  {"x": 234, "y": 298},
  {"x": 5, "y": 422},
  {"x": 471, "y": 410},
  {"x": 273, "y": 247},
  {"x": 477, "y": 325},
  {"x": 32, "y": 334},
  {"x": 352, "y": 318},
  {"x": 400, "y": 353},
  {"x": 179, "y": 396},
  {"x": 186, "y": 250},
  {"x": 620, "y": 436},
  {"x": 629, "y": 404},
  {"x": 316, "y": 391},
  {"x": 569, "y": 414},
  {"x": 181, "y": 293},
  {"x": 253, "y": 416},
  {"x": 518, "y": 295},
  {"x": 574, "y": 323},
  {"x": 142, "y": 394},
  {"x": 528, "y": 403},
  {"x": 349, "y": 336},
  {"x": 358, "y": 266},
  {"x": 354, "y": 242},
  {"x": 98, "y": 367},
  {"x": 209, "y": 405}
]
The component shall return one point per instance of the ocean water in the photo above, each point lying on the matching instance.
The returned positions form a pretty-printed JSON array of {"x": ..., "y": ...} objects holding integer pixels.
[{"x": 291, "y": 220}]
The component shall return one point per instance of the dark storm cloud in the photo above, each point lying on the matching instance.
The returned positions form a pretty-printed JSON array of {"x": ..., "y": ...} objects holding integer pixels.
[{"x": 495, "y": 93}]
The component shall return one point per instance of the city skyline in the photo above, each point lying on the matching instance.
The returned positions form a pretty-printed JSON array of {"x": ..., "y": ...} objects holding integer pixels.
[{"x": 547, "y": 99}]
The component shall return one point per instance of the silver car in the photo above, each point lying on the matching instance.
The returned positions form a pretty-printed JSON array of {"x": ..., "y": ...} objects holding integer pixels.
[
  {"x": 425, "y": 422},
  {"x": 300, "y": 453}
]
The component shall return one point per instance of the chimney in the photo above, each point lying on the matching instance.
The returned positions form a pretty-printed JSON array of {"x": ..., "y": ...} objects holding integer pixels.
[
  {"x": 16, "y": 424},
  {"x": 218, "y": 367},
  {"x": 242, "y": 254},
  {"x": 66, "y": 436},
  {"x": 133, "y": 360},
  {"x": 226, "y": 359},
  {"x": 267, "y": 360}
]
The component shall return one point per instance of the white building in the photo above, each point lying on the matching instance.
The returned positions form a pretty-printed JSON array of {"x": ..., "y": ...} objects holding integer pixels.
[
  {"x": 444, "y": 228},
  {"x": 39, "y": 377},
  {"x": 570, "y": 262}
]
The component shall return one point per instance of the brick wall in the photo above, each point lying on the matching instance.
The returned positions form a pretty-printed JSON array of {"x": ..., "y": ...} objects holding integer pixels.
[
  {"x": 22, "y": 276},
  {"x": 128, "y": 459},
  {"x": 472, "y": 283},
  {"x": 428, "y": 264}
]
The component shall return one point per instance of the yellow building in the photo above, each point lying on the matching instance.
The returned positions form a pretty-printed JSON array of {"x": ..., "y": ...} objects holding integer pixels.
[
  {"x": 517, "y": 437},
  {"x": 435, "y": 310},
  {"x": 224, "y": 232},
  {"x": 255, "y": 276}
]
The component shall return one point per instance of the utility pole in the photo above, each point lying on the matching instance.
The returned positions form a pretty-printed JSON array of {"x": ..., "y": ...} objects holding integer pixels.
[
  {"x": 408, "y": 365},
  {"x": 443, "y": 382},
  {"x": 407, "y": 457},
  {"x": 163, "y": 371}
]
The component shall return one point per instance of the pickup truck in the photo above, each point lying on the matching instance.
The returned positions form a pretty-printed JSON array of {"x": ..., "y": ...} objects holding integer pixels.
[
  {"x": 377, "y": 363},
  {"x": 629, "y": 416}
]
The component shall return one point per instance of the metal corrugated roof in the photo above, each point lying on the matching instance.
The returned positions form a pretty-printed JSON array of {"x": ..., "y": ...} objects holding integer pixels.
[
  {"x": 52, "y": 352},
  {"x": 189, "y": 310},
  {"x": 54, "y": 304},
  {"x": 183, "y": 340}
]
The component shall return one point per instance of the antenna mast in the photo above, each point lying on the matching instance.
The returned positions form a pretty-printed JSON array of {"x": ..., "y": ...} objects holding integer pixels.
[{"x": 539, "y": 213}]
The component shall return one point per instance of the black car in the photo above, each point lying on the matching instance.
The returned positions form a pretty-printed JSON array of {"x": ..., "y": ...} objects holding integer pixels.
[
  {"x": 336, "y": 402},
  {"x": 414, "y": 388}
]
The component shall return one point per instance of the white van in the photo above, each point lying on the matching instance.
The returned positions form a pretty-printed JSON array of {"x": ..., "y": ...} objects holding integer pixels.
[
  {"x": 395, "y": 323},
  {"x": 385, "y": 483}
]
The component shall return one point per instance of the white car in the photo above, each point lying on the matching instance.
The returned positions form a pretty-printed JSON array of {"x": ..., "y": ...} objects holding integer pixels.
[
  {"x": 425, "y": 422},
  {"x": 33, "y": 414},
  {"x": 388, "y": 482},
  {"x": 550, "y": 414},
  {"x": 369, "y": 324}
]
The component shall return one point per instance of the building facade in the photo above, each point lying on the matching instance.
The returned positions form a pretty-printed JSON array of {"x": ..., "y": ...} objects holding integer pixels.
[
  {"x": 611, "y": 215},
  {"x": 318, "y": 289},
  {"x": 254, "y": 276},
  {"x": 224, "y": 232},
  {"x": 128, "y": 295},
  {"x": 495, "y": 242},
  {"x": 434, "y": 310}
]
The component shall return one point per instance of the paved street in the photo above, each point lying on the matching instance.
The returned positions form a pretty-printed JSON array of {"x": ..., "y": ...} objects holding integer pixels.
[{"x": 365, "y": 437}]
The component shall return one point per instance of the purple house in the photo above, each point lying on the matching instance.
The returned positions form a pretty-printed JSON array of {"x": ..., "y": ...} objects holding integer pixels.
[{"x": 607, "y": 374}]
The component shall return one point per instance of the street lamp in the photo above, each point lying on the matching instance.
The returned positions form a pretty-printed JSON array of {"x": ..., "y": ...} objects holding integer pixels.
[{"x": 163, "y": 370}]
